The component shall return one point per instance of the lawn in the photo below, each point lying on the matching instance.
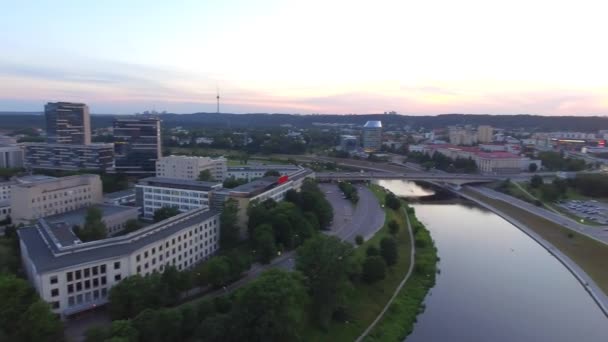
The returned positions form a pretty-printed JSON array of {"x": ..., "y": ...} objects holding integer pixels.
[
  {"x": 590, "y": 255},
  {"x": 366, "y": 301}
]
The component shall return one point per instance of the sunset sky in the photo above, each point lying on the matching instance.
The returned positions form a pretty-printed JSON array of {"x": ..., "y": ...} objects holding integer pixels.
[{"x": 313, "y": 56}]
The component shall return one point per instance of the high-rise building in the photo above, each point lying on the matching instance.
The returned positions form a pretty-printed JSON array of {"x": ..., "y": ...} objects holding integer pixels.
[
  {"x": 187, "y": 167},
  {"x": 485, "y": 133},
  {"x": 137, "y": 144},
  {"x": 372, "y": 136},
  {"x": 67, "y": 123}
]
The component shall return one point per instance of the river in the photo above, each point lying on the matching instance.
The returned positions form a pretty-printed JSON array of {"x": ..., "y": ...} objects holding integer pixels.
[{"x": 495, "y": 283}]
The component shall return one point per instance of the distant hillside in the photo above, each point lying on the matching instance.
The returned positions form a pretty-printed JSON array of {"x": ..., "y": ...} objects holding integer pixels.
[{"x": 530, "y": 122}]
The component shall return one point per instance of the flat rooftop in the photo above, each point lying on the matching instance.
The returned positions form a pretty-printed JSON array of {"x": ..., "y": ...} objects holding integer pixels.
[
  {"x": 179, "y": 183},
  {"x": 78, "y": 216},
  {"x": 34, "y": 179},
  {"x": 120, "y": 194}
]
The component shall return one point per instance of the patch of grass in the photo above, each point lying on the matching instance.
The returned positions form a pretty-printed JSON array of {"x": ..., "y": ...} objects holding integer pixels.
[
  {"x": 398, "y": 321},
  {"x": 367, "y": 300},
  {"x": 589, "y": 254}
]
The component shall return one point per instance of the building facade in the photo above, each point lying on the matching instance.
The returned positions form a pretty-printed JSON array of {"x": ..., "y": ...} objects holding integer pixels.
[
  {"x": 372, "y": 136},
  {"x": 258, "y": 171},
  {"x": 51, "y": 196},
  {"x": 153, "y": 193},
  {"x": 99, "y": 157},
  {"x": 73, "y": 276},
  {"x": 186, "y": 167},
  {"x": 67, "y": 123},
  {"x": 5, "y": 190},
  {"x": 11, "y": 156},
  {"x": 485, "y": 134},
  {"x": 137, "y": 144}
]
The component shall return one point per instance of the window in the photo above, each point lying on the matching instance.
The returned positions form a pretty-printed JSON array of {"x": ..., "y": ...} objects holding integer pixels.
[
  {"x": 117, "y": 277},
  {"x": 95, "y": 270},
  {"x": 117, "y": 265},
  {"x": 71, "y": 301},
  {"x": 138, "y": 258},
  {"x": 103, "y": 280},
  {"x": 95, "y": 282},
  {"x": 102, "y": 269},
  {"x": 54, "y": 279},
  {"x": 70, "y": 288},
  {"x": 78, "y": 286},
  {"x": 54, "y": 292},
  {"x": 87, "y": 273},
  {"x": 78, "y": 275},
  {"x": 87, "y": 284},
  {"x": 104, "y": 292}
]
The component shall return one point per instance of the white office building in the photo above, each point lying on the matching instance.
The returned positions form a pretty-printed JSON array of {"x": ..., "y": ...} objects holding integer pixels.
[
  {"x": 153, "y": 193},
  {"x": 74, "y": 276},
  {"x": 251, "y": 172},
  {"x": 187, "y": 167}
]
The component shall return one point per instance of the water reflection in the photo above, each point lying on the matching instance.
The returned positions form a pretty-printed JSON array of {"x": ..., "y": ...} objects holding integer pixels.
[{"x": 497, "y": 284}]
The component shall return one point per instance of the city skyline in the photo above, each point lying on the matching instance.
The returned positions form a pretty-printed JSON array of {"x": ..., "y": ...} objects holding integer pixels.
[{"x": 341, "y": 57}]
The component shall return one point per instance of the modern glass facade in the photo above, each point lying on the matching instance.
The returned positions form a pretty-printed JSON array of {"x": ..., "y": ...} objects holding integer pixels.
[
  {"x": 137, "y": 144},
  {"x": 67, "y": 123}
]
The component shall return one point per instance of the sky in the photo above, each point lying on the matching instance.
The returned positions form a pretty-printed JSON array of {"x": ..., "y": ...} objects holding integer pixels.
[{"x": 546, "y": 57}]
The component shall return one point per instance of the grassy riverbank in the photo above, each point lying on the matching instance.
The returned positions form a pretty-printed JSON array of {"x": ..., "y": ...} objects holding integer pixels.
[
  {"x": 587, "y": 253},
  {"x": 398, "y": 322}
]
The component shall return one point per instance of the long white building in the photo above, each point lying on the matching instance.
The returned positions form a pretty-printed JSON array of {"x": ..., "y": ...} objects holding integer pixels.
[
  {"x": 73, "y": 276},
  {"x": 251, "y": 172},
  {"x": 189, "y": 168}
]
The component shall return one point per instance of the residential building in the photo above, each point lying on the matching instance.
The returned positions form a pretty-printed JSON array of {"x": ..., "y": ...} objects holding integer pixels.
[
  {"x": 67, "y": 123},
  {"x": 372, "y": 136},
  {"x": 187, "y": 167},
  {"x": 98, "y": 156},
  {"x": 485, "y": 134},
  {"x": 11, "y": 156},
  {"x": 462, "y": 136},
  {"x": 255, "y": 171},
  {"x": 75, "y": 276},
  {"x": 137, "y": 144},
  {"x": 123, "y": 197},
  {"x": 51, "y": 196},
  {"x": 153, "y": 193},
  {"x": 114, "y": 217}
]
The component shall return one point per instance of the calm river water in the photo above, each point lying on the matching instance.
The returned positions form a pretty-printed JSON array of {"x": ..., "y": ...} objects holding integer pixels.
[{"x": 496, "y": 284}]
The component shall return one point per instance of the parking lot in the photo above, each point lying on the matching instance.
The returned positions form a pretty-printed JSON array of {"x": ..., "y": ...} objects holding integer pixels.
[{"x": 591, "y": 210}]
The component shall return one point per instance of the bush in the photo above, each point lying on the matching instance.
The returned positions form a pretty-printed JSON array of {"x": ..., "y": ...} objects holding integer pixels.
[
  {"x": 389, "y": 251},
  {"x": 393, "y": 227},
  {"x": 392, "y": 201},
  {"x": 374, "y": 269},
  {"x": 372, "y": 251},
  {"x": 359, "y": 240}
]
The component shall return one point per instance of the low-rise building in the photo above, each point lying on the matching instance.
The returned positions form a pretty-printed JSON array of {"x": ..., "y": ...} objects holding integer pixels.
[
  {"x": 114, "y": 216},
  {"x": 48, "y": 196},
  {"x": 188, "y": 167},
  {"x": 123, "y": 197},
  {"x": 69, "y": 157},
  {"x": 5, "y": 189},
  {"x": 11, "y": 156},
  {"x": 153, "y": 193},
  {"x": 251, "y": 172},
  {"x": 5, "y": 209},
  {"x": 74, "y": 276}
]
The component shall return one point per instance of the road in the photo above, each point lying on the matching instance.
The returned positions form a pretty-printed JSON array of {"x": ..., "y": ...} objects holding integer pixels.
[{"x": 599, "y": 233}]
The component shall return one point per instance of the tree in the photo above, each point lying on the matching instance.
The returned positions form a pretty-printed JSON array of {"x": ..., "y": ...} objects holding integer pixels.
[
  {"x": 131, "y": 225},
  {"x": 218, "y": 269},
  {"x": 264, "y": 243},
  {"x": 232, "y": 182},
  {"x": 123, "y": 330},
  {"x": 536, "y": 181},
  {"x": 393, "y": 227},
  {"x": 392, "y": 201},
  {"x": 272, "y": 173},
  {"x": 532, "y": 167},
  {"x": 205, "y": 175},
  {"x": 38, "y": 323},
  {"x": 359, "y": 240},
  {"x": 326, "y": 262},
  {"x": 215, "y": 328},
  {"x": 229, "y": 231},
  {"x": 374, "y": 269},
  {"x": 165, "y": 213},
  {"x": 132, "y": 295},
  {"x": 389, "y": 251},
  {"x": 94, "y": 228},
  {"x": 372, "y": 250},
  {"x": 271, "y": 308}
]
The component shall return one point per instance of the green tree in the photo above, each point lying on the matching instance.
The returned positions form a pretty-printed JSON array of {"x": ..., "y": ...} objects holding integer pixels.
[
  {"x": 326, "y": 262},
  {"x": 372, "y": 250},
  {"x": 536, "y": 181},
  {"x": 94, "y": 228},
  {"x": 271, "y": 308},
  {"x": 215, "y": 328},
  {"x": 265, "y": 243},
  {"x": 392, "y": 201},
  {"x": 231, "y": 183},
  {"x": 218, "y": 271},
  {"x": 148, "y": 326},
  {"x": 165, "y": 213},
  {"x": 374, "y": 269},
  {"x": 393, "y": 227},
  {"x": 229, "y": 231},
  {"x": 389, "y": 251},
  {"x": 123, "y": 330},
  {"x": 204, "y": 176},
  {"x": 131, "y": 225},
  {"x": 17, "y": 296},
  {"x": 532, "y": 167},
  {"x": 359, "y": 240},
  {"x": 134, "y": 294},
  {"x": 97, "y": 334},
  {"x": 38, "y": 323}
]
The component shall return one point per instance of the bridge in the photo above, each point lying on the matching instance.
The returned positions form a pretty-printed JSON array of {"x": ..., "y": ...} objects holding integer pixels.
[{"x": 456, "y": 179}]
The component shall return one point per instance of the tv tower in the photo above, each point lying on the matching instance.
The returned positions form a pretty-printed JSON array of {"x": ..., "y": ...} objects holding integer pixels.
[{"x": 218, "y": 99}]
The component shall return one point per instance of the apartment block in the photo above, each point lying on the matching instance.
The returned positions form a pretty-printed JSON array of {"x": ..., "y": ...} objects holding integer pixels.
[
  {"x": 189, "y": 168},
  {"x": 50, "y": 196},
  {"x": 74, "y": 276},
  {"x": 98, "y": 157},
  {"x": 67, "y": 123},
  {"x": 153, "y": 193},
  {"x": 137, "y": 144}
]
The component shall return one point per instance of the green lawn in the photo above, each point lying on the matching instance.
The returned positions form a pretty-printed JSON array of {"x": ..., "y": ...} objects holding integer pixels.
[{"x": 366, "y": 301}]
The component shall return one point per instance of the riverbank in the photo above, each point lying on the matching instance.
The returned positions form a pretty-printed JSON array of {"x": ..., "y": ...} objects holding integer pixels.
[{"x": 584, "y": 257}]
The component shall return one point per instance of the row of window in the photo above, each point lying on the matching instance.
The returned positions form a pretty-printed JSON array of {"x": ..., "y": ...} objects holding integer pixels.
[
  {"x": 60, "y": 194},
  {"x": 195, "y": 194},
  {"x": 84, "y": 297},
  {"x": 88, "y": 272}
]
